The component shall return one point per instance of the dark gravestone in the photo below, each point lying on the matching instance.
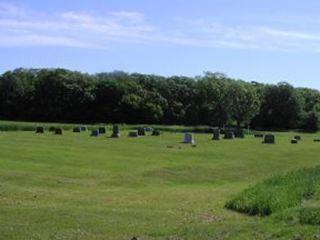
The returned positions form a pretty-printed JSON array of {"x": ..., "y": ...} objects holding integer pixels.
[
  {"x": 76, "y": 129},
  {"x": 83, "y": 128},
  {"x": 258, "y": 135},
  {"x": 40, "y": 130},
  {"x": 133, "y": 134},
  {"x": 95, "y": 133},
  {"x": 269, "y": 139},
  {"x": 228, "y": 134},
  {"x": 141, "y": 131},
  {"x": 102, "y": 130},
  {"x": 115, "y": 131},
  {"x": 294, "y": 141},
  {"x": 188, "y": 138},
  {"x": 239, "y": 133},
  {"x": 58, "y": 131},
  {"x": 216, "y": 134},
  {"x": 155, "y": 132},
  {"x": 298, "y": 138}
]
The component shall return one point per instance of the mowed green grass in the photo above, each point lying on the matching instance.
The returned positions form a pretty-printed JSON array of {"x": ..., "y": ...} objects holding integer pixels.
[{"x": 80, "y": 187}]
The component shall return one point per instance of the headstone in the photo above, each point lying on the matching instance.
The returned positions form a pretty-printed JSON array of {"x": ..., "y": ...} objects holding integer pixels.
[
  {"x": 298, "y": 138},
  {"x": 216, "y": 134},
  {"x": 149, "y": 129},
  {"x": 102, "y": 130},
  {"x": 188, "y": 138},
  {"x": 155, "y": 132},
  {"x": 40, "y": 130},
  {"x": 141, "y": 131},
  {"x": 258, "y": 135},
  {"x": 239, "y": 133},
  {"x": 294, "y": 141},
  {"x": 133, "y": 134},
  {"x": 228, "y": 134},
  {"x": 83, "y": 128},
  {"x": 269, "y": 139},
  {"x": 115, "y": 131},
  {"x": 58, "y": 131},
  {"x": 76, "y": 129},
  {"x": 95, "y": 133}
]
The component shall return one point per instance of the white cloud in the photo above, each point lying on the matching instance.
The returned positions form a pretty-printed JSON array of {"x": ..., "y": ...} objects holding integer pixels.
[{"x": 23, "y": 27}]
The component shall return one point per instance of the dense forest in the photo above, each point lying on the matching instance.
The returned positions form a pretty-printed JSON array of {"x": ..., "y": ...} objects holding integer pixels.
[{"x": 60, "y": 95}]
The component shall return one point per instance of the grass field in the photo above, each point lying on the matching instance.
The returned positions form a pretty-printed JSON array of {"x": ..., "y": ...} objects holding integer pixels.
[{"x": 80, "y": 187}]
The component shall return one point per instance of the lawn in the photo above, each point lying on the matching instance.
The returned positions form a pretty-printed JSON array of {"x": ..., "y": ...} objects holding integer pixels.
[{"x": 80, "y": 187}]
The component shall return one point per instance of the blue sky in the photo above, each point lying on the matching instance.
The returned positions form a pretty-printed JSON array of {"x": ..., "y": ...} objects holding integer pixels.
[{"x": 267, "y": 40}]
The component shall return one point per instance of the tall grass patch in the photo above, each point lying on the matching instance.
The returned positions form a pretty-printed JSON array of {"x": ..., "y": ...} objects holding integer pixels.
[{"x": 277, "y": 193}]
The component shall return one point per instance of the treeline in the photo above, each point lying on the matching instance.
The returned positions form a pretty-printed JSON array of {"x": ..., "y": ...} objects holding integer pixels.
[{"x": 59, "y": 95}]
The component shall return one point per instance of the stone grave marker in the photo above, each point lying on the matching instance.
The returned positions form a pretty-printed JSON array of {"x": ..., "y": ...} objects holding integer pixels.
[
  {"x": 188, "y": 138},
  {"x": 269, "y": 139}
]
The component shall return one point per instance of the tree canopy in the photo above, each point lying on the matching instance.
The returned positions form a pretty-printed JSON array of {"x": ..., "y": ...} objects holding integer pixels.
[{"x": 118, "y": 97}]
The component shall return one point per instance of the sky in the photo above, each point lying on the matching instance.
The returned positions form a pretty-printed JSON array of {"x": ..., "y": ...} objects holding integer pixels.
[{"x": 266, "y": 41}]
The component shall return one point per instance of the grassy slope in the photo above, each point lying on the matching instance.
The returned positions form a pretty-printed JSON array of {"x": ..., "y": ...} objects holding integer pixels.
[{"x": 78, "y": 187}]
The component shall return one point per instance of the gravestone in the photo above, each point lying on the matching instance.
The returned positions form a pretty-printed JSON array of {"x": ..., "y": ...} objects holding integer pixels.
[
  {"x": 133, "y": 134},
  {"x": 95, "y": 133},
  {"x": 83, "y": 128},
  {"x": 216, "y": 134},
  {"x": 269, "y": 139},
  {"x": 294, "y": 141},
  {"x": 40, "y": 130},
  {"x": 239, "y": 133},
  {"x": 58, "y": 131},
  {"x": 141, "y": 131},
  {"x": 102, "y": 130},
  {"x": 155, "y": 132},
  {"x": 298, "y": 138},
  {"x": 149, "y": 129},
  {"x": 115, "y": 131},
  {"x": 76, "y": 129},
  {"x": 188, "y": 138},
  {"x": 228, "y": 134}
]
